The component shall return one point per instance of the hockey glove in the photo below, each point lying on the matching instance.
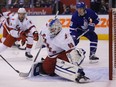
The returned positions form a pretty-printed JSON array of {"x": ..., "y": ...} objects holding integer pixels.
[
  {"x": 22, "y": 36},
  {"x": 35, "y": 36},
  {"x": 23, "y": 42},
  {"x": 91, "y": 27}
]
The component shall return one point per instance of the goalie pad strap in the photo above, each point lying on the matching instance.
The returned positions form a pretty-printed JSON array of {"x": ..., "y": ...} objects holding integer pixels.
[{"x": 76, "y": 56}]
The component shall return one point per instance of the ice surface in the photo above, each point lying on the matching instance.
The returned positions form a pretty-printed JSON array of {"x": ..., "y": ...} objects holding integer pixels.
[{"x": 98, "y": 72}]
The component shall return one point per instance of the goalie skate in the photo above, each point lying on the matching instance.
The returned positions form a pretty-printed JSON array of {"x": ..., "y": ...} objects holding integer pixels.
[
  {"x": 82, "y": 79},
  {"x": 37, "y": 69}
]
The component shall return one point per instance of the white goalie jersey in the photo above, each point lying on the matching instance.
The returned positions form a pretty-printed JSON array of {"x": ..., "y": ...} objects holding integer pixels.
[{"x": 62, "y": 41}]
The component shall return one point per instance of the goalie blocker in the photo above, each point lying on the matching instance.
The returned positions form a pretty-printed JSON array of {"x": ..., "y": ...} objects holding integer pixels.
[{"x": 61, "y": 66}]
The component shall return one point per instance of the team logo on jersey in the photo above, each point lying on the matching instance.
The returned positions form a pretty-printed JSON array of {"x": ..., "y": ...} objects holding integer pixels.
[{"x": 85, "y": 24}]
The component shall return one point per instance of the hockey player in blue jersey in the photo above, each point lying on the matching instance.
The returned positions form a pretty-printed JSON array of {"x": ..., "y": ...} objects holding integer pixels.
[{"x": 83, "y": 20}]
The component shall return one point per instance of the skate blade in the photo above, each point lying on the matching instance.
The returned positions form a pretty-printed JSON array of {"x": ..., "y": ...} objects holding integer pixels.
[
  {"x": 93, "y": 61},
  {"x": 30, "y": 59},
  {"x": 82, "y": 81}
]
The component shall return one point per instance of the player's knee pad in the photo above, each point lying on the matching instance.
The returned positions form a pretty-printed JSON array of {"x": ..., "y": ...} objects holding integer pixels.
[
  {"x": 68, "y": 70},
  {"x": 77, "y": 56}
]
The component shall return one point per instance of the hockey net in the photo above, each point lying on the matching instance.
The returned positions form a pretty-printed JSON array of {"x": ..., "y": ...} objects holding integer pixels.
[{"x": 112, "y": 43}]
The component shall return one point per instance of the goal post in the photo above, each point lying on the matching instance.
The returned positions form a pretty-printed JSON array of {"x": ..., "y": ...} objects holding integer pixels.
[{"x": 112, "y": 43}]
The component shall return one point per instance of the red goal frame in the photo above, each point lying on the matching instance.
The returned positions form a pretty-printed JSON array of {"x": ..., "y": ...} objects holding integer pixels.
[{"x": 110, "y": 46}]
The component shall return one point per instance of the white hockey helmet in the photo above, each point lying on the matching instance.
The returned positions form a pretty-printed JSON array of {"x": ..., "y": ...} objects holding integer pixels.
[
  {"x": 22, "y": 10},
  {"x": 54, "y": 27}
]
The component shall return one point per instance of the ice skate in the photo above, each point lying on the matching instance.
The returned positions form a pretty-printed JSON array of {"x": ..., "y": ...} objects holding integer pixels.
[
  {"x": 93, "y": 59},
  {"x": 28, "y": 55}
]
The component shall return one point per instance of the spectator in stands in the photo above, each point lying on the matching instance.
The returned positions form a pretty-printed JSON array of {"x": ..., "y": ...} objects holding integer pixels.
[
  {"x": 114, "y": 3},
  {"x": 49, "y": 3},
  {"x": 58, "y": 6},
  {"x": 43, "y": 3},
  {"x": 9, "y": 3},
  {"x": 103, "y": 7},
  {"x": 67, "y": 10},
  {"x": 37, "y": 3},
  {"x": 95, "y": 5},
  {"x": 22, "y": 3},
  {"x": 2, "y": 3},
  {"x": 27, "y": 3}
]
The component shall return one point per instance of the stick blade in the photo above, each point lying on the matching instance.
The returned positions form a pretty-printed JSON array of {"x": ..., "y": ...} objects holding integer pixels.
[{"x": 21, "y": 74}]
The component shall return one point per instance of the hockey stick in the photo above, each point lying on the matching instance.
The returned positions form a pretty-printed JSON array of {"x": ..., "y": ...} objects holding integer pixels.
[
  {"x": 21, "y": 74},
  {"x": 56, "y": 14},
  {"x": 6, "y": 29},
  {"x": 9, "y": 64},
  {"x": 83, "y": 34}
]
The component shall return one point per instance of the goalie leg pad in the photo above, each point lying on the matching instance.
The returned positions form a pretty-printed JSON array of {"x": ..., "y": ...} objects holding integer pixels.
[
  {"x": 66, "y": 70},
  {"x": 70, "y": 71}
]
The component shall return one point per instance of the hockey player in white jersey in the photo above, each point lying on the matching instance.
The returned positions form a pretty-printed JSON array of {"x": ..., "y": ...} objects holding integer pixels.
[
  {"x": 5, "y": 16},
  {"x": 19, "y": 27},
  {"x": 63, "y": 58}
]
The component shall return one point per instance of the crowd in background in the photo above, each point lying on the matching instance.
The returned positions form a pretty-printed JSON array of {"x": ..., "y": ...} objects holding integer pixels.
[{"x": 99, "y": 6}]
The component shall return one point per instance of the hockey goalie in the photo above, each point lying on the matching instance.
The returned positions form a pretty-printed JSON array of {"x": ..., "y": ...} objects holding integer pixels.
[{"x": 63, "y": 58}]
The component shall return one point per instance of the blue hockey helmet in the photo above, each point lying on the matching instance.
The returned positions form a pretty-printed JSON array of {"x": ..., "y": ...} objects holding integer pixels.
[{"x": 80, "y": 5}]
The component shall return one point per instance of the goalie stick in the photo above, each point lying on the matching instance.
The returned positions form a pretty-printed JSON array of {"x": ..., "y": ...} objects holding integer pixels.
[
  {"x": 21, "y": 74},
  {"x": 56, "y": 14},
  {"x": 9, "y": 64}
]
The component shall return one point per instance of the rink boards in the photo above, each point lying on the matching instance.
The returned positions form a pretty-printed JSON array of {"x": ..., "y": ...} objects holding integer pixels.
[{"x": 101, "y": 28}]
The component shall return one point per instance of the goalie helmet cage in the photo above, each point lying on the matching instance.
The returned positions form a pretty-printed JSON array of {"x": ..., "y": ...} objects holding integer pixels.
[{"x": 112, "y": 43}]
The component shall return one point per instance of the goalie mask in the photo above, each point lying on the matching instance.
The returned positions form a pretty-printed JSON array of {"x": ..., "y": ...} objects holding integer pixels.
[{"x": 54, "y": 27}]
